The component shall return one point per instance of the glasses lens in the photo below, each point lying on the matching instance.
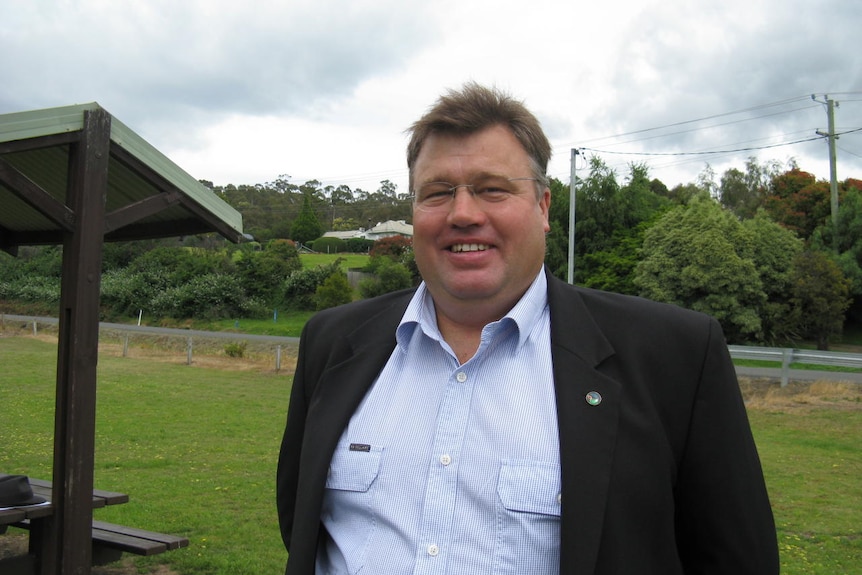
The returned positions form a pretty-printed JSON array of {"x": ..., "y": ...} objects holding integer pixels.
[{"x": 434, "y": 195}]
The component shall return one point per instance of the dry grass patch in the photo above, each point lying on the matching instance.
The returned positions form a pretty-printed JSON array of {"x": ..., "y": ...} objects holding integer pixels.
[{"x": 768, "y": 395}]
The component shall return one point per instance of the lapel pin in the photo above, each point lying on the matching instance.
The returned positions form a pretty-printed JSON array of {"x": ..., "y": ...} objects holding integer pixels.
[{"x": 594, "y": 398}]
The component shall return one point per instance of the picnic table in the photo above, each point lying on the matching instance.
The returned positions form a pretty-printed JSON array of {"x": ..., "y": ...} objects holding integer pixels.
[{"x": 109, "y": 540}]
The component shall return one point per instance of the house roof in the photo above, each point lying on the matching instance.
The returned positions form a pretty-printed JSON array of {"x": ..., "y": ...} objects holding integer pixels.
[
  {"x": 392, "y": 227},
  {"x": 148, "y": 196}
]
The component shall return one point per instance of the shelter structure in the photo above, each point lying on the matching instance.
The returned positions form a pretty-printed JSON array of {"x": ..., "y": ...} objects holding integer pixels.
[{"x": 78, "y": 177}]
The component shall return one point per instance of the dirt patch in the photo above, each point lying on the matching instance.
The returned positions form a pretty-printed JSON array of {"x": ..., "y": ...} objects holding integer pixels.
[{"x": 768, "y": 395}]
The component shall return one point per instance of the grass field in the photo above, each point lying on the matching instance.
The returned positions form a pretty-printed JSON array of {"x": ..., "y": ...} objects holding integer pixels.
[
  {"x": 349, "y": 260},
  {"x": 208, "y": 436}
]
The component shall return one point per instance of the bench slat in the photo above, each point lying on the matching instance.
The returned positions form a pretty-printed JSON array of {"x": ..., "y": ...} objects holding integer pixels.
[
  {"x": 43, "y": 487},
  {"x": 129, "y": 539},
  {"x": 170, "y": 541},
  {"x": 128, "y": 543}
]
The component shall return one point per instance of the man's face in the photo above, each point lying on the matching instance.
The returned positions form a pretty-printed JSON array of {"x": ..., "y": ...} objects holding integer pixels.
[{"x": 474, "y": 251}]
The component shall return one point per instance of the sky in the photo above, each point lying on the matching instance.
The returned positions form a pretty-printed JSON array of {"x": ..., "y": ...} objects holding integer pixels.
[{"x": 251, "y": 92}]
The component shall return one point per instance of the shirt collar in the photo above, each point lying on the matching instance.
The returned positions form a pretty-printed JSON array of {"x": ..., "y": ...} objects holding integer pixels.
[{"x": 525, "y": 314}]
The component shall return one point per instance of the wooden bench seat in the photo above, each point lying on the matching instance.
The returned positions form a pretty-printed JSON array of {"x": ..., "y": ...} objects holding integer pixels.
[
  {"x": 133, "y": 540},
  {"x": 110, "y": 541}
]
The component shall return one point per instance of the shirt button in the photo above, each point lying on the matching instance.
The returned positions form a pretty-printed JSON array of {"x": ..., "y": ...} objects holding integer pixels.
[
  {"x": 461, "y": 377},
  {"x": 433, "y": 550},
  {"x": 445, "y": 459}
]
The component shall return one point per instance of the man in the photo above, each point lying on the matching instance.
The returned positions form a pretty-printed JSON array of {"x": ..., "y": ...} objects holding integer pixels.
[{"x": 497, "y": 420}]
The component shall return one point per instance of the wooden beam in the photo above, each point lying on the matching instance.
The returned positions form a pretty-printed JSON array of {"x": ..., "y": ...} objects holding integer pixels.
[
  {"x": 134, "y": 212},
  {"x": 68, "y": 548},
  {"x": 39, "y": 143},
  {"x": 33, "y": 195},
  {"x": 214, "y": 223}
]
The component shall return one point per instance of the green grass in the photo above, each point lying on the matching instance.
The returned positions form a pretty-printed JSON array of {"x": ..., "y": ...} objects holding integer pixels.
[
  {"x": 287, "y": 324},
  {"x": 350, "y": 260},
  {"x": 195, "y": 449},
  {"x": 813, "y": 464},
  {"x": 209, "y": 438}
]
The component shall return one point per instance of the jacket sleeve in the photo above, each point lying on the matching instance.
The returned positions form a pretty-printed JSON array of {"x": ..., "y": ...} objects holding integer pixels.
[
  {"x": 287, "y": 474},
  {"x": 724, "y": 522}
]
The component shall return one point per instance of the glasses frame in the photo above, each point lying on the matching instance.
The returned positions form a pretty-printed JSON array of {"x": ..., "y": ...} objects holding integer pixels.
[{"x": 453, "y": 189}]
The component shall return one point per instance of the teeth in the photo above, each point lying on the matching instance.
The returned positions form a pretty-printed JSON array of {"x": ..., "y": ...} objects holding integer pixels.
[{"x": 469, "y": 247}]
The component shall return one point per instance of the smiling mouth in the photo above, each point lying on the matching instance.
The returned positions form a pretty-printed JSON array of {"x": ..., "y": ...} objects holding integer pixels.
[{"x": 468, "y": 248}]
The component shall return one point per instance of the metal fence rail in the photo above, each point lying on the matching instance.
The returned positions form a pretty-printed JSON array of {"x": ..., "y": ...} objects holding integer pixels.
[
  {"x": 787, "y": 356},
  {"x": 780, "y": 355}
]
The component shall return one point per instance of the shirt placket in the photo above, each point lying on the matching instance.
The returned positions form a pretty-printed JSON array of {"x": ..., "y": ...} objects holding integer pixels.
[{"x": 438, "y": 510}]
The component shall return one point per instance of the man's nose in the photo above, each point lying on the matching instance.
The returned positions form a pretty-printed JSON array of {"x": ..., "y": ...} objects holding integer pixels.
[{"x": 465, "y": 208}]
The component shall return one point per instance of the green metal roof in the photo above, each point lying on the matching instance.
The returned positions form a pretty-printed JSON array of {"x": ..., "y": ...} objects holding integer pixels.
[{"x": 148, "y": 196}]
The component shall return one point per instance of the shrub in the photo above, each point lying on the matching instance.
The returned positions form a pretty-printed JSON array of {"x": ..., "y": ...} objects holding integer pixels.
[
  {"x": 329, "y": 245},
  {"x": 235, "y": 349},
  {"x": 389, "y": 277},
  {"x": 359, "y": 245},
  {"x": 393, "y": 247},
  {"x": 300, "y": 288},
  {"x": 210, "y": 296},
  {"x": 334, "y": 291}
]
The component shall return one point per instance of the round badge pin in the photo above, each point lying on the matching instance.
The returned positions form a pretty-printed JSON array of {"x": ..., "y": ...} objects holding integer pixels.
[{"x": 594, "y": 398}]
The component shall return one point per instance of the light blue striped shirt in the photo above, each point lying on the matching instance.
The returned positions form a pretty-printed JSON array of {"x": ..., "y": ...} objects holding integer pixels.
[{"x": 448, "y": 468}]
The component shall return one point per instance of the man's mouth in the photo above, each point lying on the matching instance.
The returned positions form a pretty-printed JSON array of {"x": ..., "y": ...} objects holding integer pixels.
[{"x": 468, "y": 248}]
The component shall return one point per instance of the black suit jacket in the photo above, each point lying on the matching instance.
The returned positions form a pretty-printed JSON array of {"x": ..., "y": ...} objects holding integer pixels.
[{"x": 662, "y": 477}]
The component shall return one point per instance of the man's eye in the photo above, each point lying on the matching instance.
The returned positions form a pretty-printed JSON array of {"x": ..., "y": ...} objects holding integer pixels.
[
  {"x": 491, "y": 193},
  {"x": 437, "y": 195}
]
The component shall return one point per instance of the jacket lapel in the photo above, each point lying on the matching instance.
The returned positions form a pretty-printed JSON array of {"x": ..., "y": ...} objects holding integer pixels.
[{"x": 587, "y": 429}]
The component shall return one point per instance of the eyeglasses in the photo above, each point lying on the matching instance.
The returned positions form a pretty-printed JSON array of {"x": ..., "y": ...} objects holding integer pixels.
[{"x": 490, "y": 192}]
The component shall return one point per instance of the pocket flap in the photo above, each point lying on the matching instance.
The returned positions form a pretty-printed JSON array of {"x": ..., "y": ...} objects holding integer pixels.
[{"x": 530, "y": 486}]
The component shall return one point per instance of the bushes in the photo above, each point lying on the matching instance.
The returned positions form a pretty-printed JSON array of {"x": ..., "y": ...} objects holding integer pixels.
[
  {"x": 329, "y": 245},
  {"x": 300, "y": 289},
  {"x": 389, "y": 276},
  {"x": 359, "y": 245},
  {"x": 210, "y": 296},
  {"x": 334, "y": 291}
]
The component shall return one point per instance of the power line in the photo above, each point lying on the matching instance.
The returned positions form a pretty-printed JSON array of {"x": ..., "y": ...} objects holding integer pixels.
[
  {"x": 714, "y": 116},
  {"x": 705, "y": 153}
]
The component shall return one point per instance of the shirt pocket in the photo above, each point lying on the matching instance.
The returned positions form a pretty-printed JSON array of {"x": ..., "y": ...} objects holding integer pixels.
[
  {"x": 348, "y": 510},
  {"x": 528, "y": 518},
  {"x": 354, "y": 467}
]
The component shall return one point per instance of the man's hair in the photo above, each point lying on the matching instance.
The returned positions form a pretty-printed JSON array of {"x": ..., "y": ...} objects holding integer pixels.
[{"x": 474, "y": 108}]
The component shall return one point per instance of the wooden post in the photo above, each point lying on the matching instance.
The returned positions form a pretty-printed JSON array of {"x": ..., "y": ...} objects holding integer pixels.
[{"x": 68, "y": 541}]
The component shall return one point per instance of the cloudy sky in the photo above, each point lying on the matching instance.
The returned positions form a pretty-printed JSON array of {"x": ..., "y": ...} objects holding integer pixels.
[{"x": 246, "y": 92}]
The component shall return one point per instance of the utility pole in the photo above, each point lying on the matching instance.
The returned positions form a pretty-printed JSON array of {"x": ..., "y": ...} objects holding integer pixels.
[
  {"x": 571, "y": 273},
  {"x": 833, "y": 161}
]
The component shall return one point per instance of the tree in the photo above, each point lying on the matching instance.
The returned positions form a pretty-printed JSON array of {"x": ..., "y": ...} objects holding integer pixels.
[
  {"x": 773, "y": 251},
  {"x": 610, "y": 222},
  {"x": 306, "y": 227},
  {"x": 847, "y": 251},
  {"x": 743, "y": 192},
  {"x": 820, "y": 295},
  {"x": 557, "y": 240},
  {"x": 799, "y": 202},
  {"x": 700, "y": 257}
]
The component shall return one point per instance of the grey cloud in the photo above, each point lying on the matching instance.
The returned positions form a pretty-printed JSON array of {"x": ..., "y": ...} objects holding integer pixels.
[
  {"x": 793, "y": 50},
  {"x": 180, "y": 62}
]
